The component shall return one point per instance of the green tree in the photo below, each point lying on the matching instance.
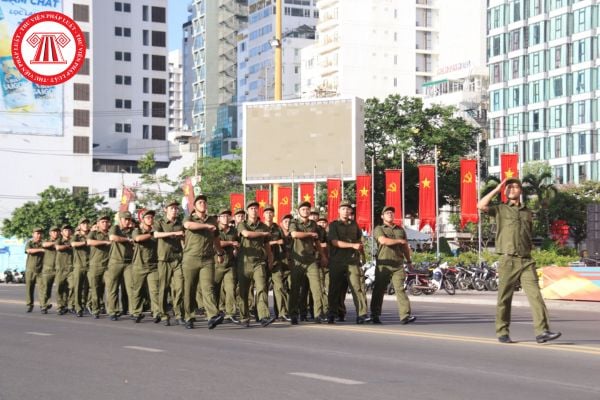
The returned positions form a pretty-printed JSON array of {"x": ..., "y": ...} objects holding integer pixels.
[
  {"x": 400, "y": 125},
  {"x": 154, "y": 189},
  {"x": 55, "y": 207},
  {"x": 538, "y": 191}
]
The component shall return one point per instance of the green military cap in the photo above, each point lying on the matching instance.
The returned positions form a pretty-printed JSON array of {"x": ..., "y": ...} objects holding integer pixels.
[
  {"x": 388, "y": 208},
  {"x": 83, "y": 220},
  {"x": 314, "y": 211},
  {"x": 149, "y": 212},
  {"x": 252, "y": 203},
  {"x": 125, "y": 214},
  {"x": 345, "y": 203},
  {"x": 514, "y": 180},
  {"x": 38, "y": 229},
  {"x": 239, "y": 211},
  {"x": 173, "y": 203},
  {"x": 54, "y": 228},
  {"x": 106, "y": 217},
  {"x": 322, "y": 218},
  {"x": 225, "y": 211},
  {"x": 67, "y": 226},
  {"x": 269, "y": 207},
  {"x": 304, "y": 204},
  {"x": 200, "y": 197},
  {"x": 286, "y": 216}
]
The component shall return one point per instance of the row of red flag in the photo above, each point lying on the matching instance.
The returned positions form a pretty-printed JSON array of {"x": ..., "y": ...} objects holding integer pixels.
[{"x": 393, "y": 194}]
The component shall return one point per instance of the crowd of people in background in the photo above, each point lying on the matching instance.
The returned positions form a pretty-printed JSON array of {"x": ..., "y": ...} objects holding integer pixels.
[{"x": 222, "y": 266}]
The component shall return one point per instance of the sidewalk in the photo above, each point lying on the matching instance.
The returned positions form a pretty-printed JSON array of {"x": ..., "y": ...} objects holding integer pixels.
[{"x": 489, "y": 299}]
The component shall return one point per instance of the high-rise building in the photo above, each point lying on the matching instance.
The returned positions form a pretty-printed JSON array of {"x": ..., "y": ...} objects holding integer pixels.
[
  {"x": 543, "y": 63},
  {"x": 175, "y": 91},
  {"x": 130, "y": 80},
  {"x": 256, "y": 73},
  {"x": 187, "y": 61},
  {"x": 216, "y": 24}
]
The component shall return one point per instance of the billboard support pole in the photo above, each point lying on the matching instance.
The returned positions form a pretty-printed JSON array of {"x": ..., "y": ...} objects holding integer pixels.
[{"x": 342, "y": 178}]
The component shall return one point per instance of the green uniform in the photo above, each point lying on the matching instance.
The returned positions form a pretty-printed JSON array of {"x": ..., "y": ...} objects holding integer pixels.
[
  {"x": 279, "y": 272},
  {"x": 64, "y": 270},
  {"x": 514, "y": 242},
  {"x": 252, "y": 268},
  {"x": 170, "y": 273},
  {"x": 145, "y": 272},
  {"x": 199, "y": 267},
  {"x": 389, "y": 267},
  {"x": 225, "y": 273},
  {"x": 81, "y": 260},
  {"x": 120, "y": 257},
  {"x": 48, "y": 275},
  {"x": 98, "y": 265},
  {"x": 304, "y": 264},
  {"x": 33, "y": 268},
  {"x": 344, "y": 264}
]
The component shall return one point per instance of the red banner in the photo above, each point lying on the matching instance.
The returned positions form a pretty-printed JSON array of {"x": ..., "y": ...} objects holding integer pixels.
[
  {"x": 188, "y": 193},
  {"x": 393, "y": 192},
  {"x": 509, "y": 168},
  {"x": 236, "y": 200},
  {"x": 284, "y": 206},
  {"x": 307, "y": 193},
  {"x": 126, "y": 197},
  {"x": 363, "y": 202},
  {"x": 427, "y": 194},
  {"x": 262, "y": 197},
  {"x": 334, "y": 197},
  {"x": 468, "y": 192}
]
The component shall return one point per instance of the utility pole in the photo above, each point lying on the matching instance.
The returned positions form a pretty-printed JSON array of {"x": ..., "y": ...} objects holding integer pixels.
[{"x": 278, "y": 49}]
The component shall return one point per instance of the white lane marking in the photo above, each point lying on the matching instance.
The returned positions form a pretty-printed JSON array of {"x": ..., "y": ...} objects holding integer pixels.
[
  {"x": 327, "y": 378},
  {"x": 148, "y": 349},
  {"x": 39, "y": 333}
]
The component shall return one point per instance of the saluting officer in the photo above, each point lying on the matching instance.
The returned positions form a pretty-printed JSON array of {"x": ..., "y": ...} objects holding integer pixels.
[
  {"x": 33, "y": 266},
  {"x": 392, "y": 251}
]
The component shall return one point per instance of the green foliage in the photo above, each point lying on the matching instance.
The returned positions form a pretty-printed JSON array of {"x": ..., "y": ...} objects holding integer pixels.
[
  {"x": 154, "y": 189},
  {"x": 402, "y": 125},
  {"x": 544, "y": 258},
  {"x": 147, "y": 163},
  {"x": 55, "y": 207}
]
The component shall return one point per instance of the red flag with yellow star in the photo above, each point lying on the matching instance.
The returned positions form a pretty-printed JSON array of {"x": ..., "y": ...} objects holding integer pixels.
[
  {"x": 363, "y": 202},
  {"x": 427, "y": 193},
  {"x": 236, "y": 200},
  {"x": 509, "y": 168},
  {"x": 334, "y": 197},
  {"x": 284, "y": 205},
  {"x": 262, "y": 197},
  {"x": 393, "y": 192},
  {"x": 468, "y": 192},
  {"x": 126, "y": 198},
  {"x": 307, "y": 193}
]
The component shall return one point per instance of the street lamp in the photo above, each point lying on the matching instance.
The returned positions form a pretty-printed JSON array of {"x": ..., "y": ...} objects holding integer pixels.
[{"x": 274, "y": 43}]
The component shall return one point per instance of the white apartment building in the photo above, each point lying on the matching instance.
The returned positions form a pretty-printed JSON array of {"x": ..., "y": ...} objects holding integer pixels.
[
  {"x": 131, "y": 84},
  {"x": 543, "y": 61},
  {"x": 382, "y": 47},
  {"x": 175, "y": 91}
]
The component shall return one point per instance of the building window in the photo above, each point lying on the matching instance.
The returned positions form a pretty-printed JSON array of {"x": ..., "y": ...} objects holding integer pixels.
[
  {"x": 581, "y": 112},
  {"x": 81, "y": 13},
  {"x": 145, "y": 13},
  {"x": 112, "y": 193},
  {"x": 159, "y": 39},
  {"x": 80, "y": 190},
  {"x": 159, "y": 86},
  {"x": 145, "y": 109},
  {"x": 145, "y": 37},
  {"x": 145, "y": 131},
  {"x": 159, "y": 109},
  {"x": 85, "y": 67},
  {"x": 81, "y": 118},
  {"x": 582, "y": 174},
  {"x": 582, "y": 143},
  {"x": 118, "y": 31},
  {"x": 81, "y": 144},
  {"x": 557, "y": 147},
  {"x": 558, "y": 175},
  {"x": 536, "y": 150},
  {"x": 118, "y": 127},
  {"x": 159, "y": 14},
  {"x": 81, "y": 91},
  {"x": 159, "y": 63},
  {"x": 120, "y": 103},
  {"x": 127, "y": 128},
  {"x": 145, "y": 85},
  {"x": 535, "y": 121},
  {"x": 515, "y": 68},
  {"x": 159, "y": 132}
]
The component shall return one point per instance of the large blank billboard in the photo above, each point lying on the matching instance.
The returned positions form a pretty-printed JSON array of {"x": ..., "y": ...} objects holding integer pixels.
[{"x": 303, "y": 141}]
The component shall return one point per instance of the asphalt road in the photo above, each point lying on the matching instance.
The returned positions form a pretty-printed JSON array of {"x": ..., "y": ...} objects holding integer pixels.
[{"x": 449, "y": 353}]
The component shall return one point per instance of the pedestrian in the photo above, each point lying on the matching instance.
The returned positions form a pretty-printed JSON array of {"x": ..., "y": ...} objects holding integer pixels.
[
  {"x": 392, "y": 252},
  {"x": 201, "y": 245},
  {"x": 169, "y": 232},
  {"x": 254, "y": 258},
  {"x": 514, "y": 232},
  {"x": 346, "y": 254},
  {"x": 33, "y": 266},
  {"x": 99, "y": 242},
  {"x": 49, "y": 268},
  {"x": 64, "y": 268},
  {"x": 306, "y": 252},
  {"x": 81, "y": 260},
  {"x": 121, "y": 256}
]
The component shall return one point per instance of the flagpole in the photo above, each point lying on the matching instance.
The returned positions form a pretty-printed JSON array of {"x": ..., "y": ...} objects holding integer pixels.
[
  {"x": 372, "y": 206},
  {"x": 342, "y": 178},
  {"x": 293, "y": 193},
  {"x": 437, "y": 225},
  {"x": 478, "y": 198},
  {"x": 402, "y": 192}
]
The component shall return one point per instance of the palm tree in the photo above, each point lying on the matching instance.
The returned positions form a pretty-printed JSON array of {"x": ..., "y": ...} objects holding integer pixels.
[{"x": 538, "y": 192}]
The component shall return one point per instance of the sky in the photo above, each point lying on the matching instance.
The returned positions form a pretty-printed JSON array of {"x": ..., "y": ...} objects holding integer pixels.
[{"x": 176, "y": 15}]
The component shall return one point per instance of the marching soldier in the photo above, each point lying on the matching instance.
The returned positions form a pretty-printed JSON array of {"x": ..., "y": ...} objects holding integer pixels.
[
  {"x": 201, "y": 244},
  {"x": 305, "y": 248},
  {"x": 99, "y": 243},
  {"x": 324, "y": 224},
  {"x": 254, "y": 257},
  {"x": 64, "y": 268},
  {"x": 392, "y": 251},
  {"x": 169, "y": 233},
  {"x": 49, "y": 268},
  {"x": 278, "y": 271},
  {"x": 33, "y": 266},
  {"x": 121, "y": 255},
  {"x": 346, "y": 251},
  {"x": 225, "y": 272},
  {"x": 81, "y": 256}
]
